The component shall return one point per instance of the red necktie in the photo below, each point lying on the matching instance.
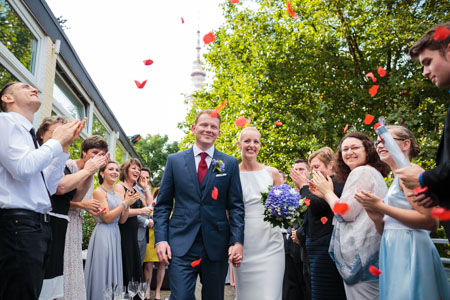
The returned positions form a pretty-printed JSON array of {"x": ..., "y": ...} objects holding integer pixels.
[{"x": 202, "y": 167}]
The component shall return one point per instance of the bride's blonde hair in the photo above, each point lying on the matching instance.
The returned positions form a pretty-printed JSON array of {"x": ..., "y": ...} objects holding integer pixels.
[{"x": 248, "y": 129}]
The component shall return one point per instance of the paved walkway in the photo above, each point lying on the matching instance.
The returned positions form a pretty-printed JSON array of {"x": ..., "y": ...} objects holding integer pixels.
[{"x": 229, "y": 292}]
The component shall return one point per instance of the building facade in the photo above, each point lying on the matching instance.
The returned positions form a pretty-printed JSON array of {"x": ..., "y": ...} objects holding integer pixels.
[{"x": 34, "y": 49}]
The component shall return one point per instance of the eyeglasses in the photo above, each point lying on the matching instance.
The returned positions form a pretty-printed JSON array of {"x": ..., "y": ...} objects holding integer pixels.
[
  {"x": 382, "y": 141},
  {"x": 354, "y": 149}
]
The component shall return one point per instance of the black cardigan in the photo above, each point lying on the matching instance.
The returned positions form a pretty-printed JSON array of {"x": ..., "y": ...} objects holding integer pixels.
[{"x": 318, "y": 208}]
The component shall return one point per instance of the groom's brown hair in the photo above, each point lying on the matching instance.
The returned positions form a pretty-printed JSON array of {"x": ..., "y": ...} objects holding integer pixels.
[{"x": 212, "y": 112}]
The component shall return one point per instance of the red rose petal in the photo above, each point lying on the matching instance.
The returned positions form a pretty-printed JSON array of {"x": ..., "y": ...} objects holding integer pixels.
[
  {"x": 291, "y": 11},
  {"x": 340, "y": 208},
  {"x": 405, "y": 91},
  {"x": 370, "y": 75},
  {"x": 241, "y": 122},
  {"x": 215, "y": 193},
  {"x": 307, "y": 201},
  {"x": 209, "y": 38},
  {"x": 368, "y": 119},
  {"x": 324, "y": 220},
  {"x": 140, "y": 85},
  {"x": 148, "y": 62},
  {"x": 374, "y": 271},
  {"x": 419, "y": 190},
  {"x": 103, "y": 210},
  {"x": 234, "y": 1},
  {"x": 278, "y": 123},
  {"x": 153, "y": 203},
  {"x": 196, "y": 262},
  {"x": 182, "y": 20},
  {"x": 373, "y": 90},
  {"x": 345, "y": 128},
  {"x": 214, "y": 114},
  {"x": 441, "y": 33},
  {"x": 441, "y": 213},
  {"x": 375, "y": 127},
  {"x": 381, "y": 71}
]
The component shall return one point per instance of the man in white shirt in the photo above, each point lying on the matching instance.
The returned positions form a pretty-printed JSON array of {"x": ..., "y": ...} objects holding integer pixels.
[{"x": 29, "y": 174}]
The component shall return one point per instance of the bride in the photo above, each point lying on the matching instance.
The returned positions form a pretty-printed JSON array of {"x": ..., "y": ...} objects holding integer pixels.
[{"x": 260, "y": 275}]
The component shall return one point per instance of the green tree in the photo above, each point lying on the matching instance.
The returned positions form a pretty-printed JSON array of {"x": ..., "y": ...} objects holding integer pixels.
[
  {"x": 154, "y": 150},
  {"x": 309, "y": 73}
]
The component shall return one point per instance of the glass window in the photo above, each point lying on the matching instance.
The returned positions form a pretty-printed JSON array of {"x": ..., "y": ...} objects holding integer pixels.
[
  {"x": 99, "y": 129},
  {"x": 16, "y": 36},
  {"x": 5, "y": 77},
  {"x": 67, "y": 100}
]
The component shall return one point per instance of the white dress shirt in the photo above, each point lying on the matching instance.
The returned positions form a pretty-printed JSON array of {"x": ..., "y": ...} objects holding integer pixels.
[
  {"x": 197, "y": 156},
  {"x": 21, "y": 183}
]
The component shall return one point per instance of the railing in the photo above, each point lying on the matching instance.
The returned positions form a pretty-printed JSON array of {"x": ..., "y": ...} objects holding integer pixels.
[{"x": 444, "y": 260}]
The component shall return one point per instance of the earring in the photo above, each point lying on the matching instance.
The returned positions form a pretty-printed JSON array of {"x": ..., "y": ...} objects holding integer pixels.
[{"x": 102, "y": 176}]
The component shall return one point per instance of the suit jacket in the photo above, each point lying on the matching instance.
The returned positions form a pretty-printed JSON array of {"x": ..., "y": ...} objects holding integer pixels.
[
  {"x": 194, "y": 207},
  {"x": 438, "y": 179}
]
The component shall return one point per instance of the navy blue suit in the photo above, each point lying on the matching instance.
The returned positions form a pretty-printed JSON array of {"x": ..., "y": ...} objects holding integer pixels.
[{"x": 199, "y": 226}]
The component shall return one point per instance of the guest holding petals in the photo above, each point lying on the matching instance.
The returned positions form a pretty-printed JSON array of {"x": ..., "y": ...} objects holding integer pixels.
[
  {"x": 355, "y": 242},
  {"x": 407, "y": 255},
  {"x": 104, "y": 260},
  {"x": 260, "y": 275},
  {"x": 326, "y": 283}
]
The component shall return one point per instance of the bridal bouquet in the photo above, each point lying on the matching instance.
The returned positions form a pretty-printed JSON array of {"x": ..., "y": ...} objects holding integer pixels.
[{"x": 281, "y": 205}]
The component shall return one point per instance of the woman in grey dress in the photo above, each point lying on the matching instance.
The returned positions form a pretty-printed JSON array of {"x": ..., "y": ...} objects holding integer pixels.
[{"x": 104, "y": 261}]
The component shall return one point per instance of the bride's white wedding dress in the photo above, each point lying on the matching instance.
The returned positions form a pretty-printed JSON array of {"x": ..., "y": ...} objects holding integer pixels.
[{"x": 260, "y": 275}]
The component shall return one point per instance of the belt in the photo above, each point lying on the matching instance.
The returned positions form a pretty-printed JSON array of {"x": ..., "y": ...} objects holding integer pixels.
[{"x": 25, "y": 212}]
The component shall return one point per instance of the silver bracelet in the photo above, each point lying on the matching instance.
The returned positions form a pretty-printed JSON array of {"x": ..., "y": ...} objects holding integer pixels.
[{"x": 124, "y": 205}]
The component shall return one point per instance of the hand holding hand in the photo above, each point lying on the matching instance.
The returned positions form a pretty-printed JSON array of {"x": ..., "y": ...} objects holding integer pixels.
[
  {"x": 425, "y": 199},
  {"x": 163, "y": 251},
  {"x": 151, "y": 223},
  {"x": 236, "y": 254}
]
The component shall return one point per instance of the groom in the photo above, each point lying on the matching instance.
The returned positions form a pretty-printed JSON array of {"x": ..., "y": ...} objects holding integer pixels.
[{"x": 208, "y": 214}]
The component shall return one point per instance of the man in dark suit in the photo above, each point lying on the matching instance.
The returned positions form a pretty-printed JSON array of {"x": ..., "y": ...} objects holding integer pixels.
[
  {"x": 433, "y": 53},
  {"x": 202, "y": 187}
]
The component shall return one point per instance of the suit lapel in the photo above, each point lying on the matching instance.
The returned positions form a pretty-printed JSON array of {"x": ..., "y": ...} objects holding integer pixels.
[
  {"x": 190, "y": 164},
  {"x": 210, "y": 176}
]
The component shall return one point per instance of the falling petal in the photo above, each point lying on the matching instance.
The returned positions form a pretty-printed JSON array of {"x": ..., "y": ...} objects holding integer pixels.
[
  {"x": 340, "y": 208},
  {"x": 441, "y": 213},
  {"x": 375, "y": 127},
  {"x": 209, "y": 38},
  {"x": 148, "y": 62},
  {"x": 234, "y": 1},
  {"x": 278, "y": 123},
  {"x": 374, "y": 271},
  {"x": 441, "y": 33},
  {"x": 182, "y": 20},
  {"x": 307, "y": 201},
  {"x": 345, "y": 128},
  {"x": 291, "y": 11},
  {"x": 370, "y": 75},
  {"x": 241, "y": 122},
  {"x": 373, "y": 90},
  {"x": 196, "y": 262},
  {"x": 381, "y": 71},
  {"x": 420, "y": 190},
  {"x": 368, "y": 119},
  {"x": 324, "y": 220},
  {"x": 215, "y": 193},
  {"x": 140, "y": 85}
]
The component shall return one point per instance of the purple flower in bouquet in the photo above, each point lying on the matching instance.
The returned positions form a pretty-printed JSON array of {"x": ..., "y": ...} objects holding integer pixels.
[{"x": 281, "y": 205}]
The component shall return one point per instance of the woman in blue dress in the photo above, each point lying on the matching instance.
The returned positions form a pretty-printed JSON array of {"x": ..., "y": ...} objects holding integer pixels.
[{"x": 409, "y": 262}]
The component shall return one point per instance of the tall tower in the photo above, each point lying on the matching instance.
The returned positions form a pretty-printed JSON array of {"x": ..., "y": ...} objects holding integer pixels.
[{"x": 198, "y": 75}]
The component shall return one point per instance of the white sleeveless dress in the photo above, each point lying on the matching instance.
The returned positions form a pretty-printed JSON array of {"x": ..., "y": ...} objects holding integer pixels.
[{"x": 260, "y": 275}]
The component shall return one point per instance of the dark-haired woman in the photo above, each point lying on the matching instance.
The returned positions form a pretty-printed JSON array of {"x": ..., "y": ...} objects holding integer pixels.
[
  {"x": 355, "y": 242},
  {"x": 104, "y": 260},
  {"x": 407, "y": 254}
]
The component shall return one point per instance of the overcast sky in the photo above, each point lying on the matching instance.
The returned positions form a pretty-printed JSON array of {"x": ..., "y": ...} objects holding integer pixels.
[{"x": 112, "y": 38}]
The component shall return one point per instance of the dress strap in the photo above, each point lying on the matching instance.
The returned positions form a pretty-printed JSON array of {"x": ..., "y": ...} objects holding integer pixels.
[{"x": 108, "y": 192}]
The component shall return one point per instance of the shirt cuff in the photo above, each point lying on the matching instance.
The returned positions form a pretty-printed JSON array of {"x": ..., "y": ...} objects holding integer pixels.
[
  {"x": 421, "y": 179},
  {"x": 55, "y": 146},
  {"x": 146, "y": 223}
]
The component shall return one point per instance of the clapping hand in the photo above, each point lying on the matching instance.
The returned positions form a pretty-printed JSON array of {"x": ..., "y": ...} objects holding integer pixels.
[
  {"x": 298, "y": 177},
  {"x": 131, "y": 197},
  {"x": 96, "y": 162},
  {"x": 294, "y": 236},
  {"x": 323, "y": 185},
  {"x": 371, "y": 204}
]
